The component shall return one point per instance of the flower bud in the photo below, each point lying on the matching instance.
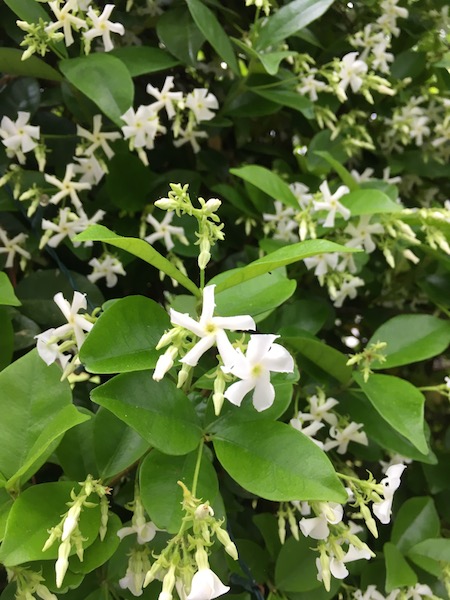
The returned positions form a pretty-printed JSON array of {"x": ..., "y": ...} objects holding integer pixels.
[
  {"x": 225, "y": 540},
  {"x": 71, "y": 521},
  {"x": 62, "y": 563}
]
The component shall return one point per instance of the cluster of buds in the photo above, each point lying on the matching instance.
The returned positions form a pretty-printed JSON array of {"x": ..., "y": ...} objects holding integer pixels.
[
  {"x": 28, "y": 584},
  {"x": 209, "y": 227},
  {"x": 67, "y": 531},
  {"x": 183, "y": 565},
  {"x": 364, "y": 359}
]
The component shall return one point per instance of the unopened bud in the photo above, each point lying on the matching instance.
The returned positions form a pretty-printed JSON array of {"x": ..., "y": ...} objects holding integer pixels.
[
  {"x": 62, "y": 563},
  {"x": 203, "y": 511},
  {"x": 225, "y": 540}
]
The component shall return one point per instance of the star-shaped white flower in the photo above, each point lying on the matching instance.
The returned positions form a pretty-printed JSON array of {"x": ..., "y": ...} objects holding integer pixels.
[
  {"x": 210, "y": 329},
  {"x": 189, "y": 135},
  {"x": 351, "y": 72},
  {"x": 342, "y": 437},
  {"x": 330, "y": 202},
  {"x": 141, "y": 127},
  {"x": 361, "y": 234},
  {"x": 383, "y": 509},
  {"x": 65, "y": 19},
  {"x": 103, "y": 27},
  {"x": 254, "y": 368},
  {"x": 108, "y": 267},
  {"x": 19, "y": 137},
  {"x": 67, "y": 187},
  {"x": 11, "y": 247},
  {"x": 165, "y": 98},
  {"x": 78, "y": 324},
  {"x": 202, "y": 103},
  {"x": 164, "y": 231},
  {"x": 322, "y": 263},
  {"x": 90, "y": 169},
  {"x": 317, "y": 527},
  {"x": 48, "y": 349},
  {"x": 68, "y": 225},
  {"x": 206, "y": 586},
  {"x": 98, "y": 138}
]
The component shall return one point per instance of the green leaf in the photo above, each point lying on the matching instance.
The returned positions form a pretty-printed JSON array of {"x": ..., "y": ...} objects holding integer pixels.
[
  {"x": 62, "y": 421},
  {"x": 128, "y": 182},
  {"x": 6, "y": 338},
  {"x": 263, "y": 457},
  {"x": 75, "y": 452},
  {"x": 180, "y": 35},
  {"x": 104, "y": 79},
  {"x": 398, "y": 572},
  {"x": 31, "y": 398},
  {"x": 280, "y": 258},
  {"x": 345, "y": 175},
  {"x": 287, "y": 97},
  {"x": 289, "y": 19},
  {"x": 141, "y": 60},
  {"x": 270, "y": 60},
  {"x": 256, "y": 296},
  {"x": 400, "y": 403},
  {"x": 116, "y": 445},
  {"x": 139, "y": 248},
  {"x": 158, "y": 411},
  {"x": 7, "y": 295},
  {"x": 213, "y": 31},
  {"x": 295, "y": 569},
  {"x": 35, "y": 511},
  {"x": 329, "y": 359},
  {"x": 437, "y": 549},
  {"x": 268, "y": 182},
  {"x": 411, "y": 338},
  {"x": 11, "y": 62},
  {"x": 125, "y": 336},
  {"x": 161, "y": 495},
  {"x": 28, "y": 10},
  {"x": 416, "y": 521},
  {"x": 100, "y": 551},
  {"x": 368, "y": 202}
]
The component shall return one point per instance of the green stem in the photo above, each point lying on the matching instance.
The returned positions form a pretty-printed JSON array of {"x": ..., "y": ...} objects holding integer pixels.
[
  {"x": 197, "y": 467},
  {"x": 202, "y": 279}
]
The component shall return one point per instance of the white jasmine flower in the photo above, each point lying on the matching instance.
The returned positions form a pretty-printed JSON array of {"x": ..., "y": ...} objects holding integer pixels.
[
  {"x": 330, "y": 202},
  {"x": 108, "y": 266},
  {"x": 342, "y": 438},
  {"x": 370, "y": 594},
  {"x": 319, "y": 407},
  {"x": 102, "y": 27},
  {"x": 322, "y": 264},
  {"x": 68, "y": 225},
  {"x": 13, "y": 246},
  {"x": 164, "y": 231},
  {"x": 380, "y": 57},
  {"x": 210, "y": 329},
  {"x": 76, "y": 324},
  {"x": 145, "y": 530},
  {"x": 394, "y": 460},
  {"x": 141, "y": 127},
  {"x": 138, "y": 565},
  {"x": 48, "y": 348},
  {"x": 383, "y": 509},
  {"x": 67, "y": 187},
  {"x": 350, "y": 72},
  {"x": 302, "y": 193},
  {"x": 253, "y": 368},
  {"x": 202, "y": 103},
  {"x": 317, "y": 527},
  {"x": 165, "y": 98},
  {"x": 65, "y": 19},
  {"x": 418, "y": 592},
  {"x": 90, "y": 169},
  {"x": 206, "y": 586},
  {"x": 283, "y": 221},
  {"x": 348, "y": 289},
  {"x": 361, "y": 234},
  {"x": 189, "y": 135},
  {"x": 18, "y": 136},
  {"x": 309, "y": 85},
  {"x": 366, "y": 175},
  {"x": 347, "y": 264},
  {"x": 98, "y": 138},
  {"x": 310, "y": 430}
]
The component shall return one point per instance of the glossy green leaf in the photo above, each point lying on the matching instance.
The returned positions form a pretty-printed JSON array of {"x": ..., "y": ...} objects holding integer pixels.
[
  {"x": 289, "y": 19},
  {"x": 35, "y": 511},
  {"x": 411, "y": 338},
  {"x": 75, "y": 452},
  {"x": 280, "y": 258},
  {"x": 263, "y": 457},
  {"x": 400, "y": 403},
  {"x": 256, "y": 296},
  {"x": 141, "y": 60},
  {"x": 416, "y": 520},
  {"x": 287, "y": 97},
  {"x": 100, "y": 551},
  {"x": 398, "y": 572},
  {"x": 327, "y": 358},
  {"x": 213, "y": 31},
  {"x": 125, "y": 336},
  {"x": 28, "y": 10},
  {"x": 345, "y": 175},
  {"x": 295, "y": 569},
  {"x": 158, "y": 411},
  {"x": 162, "y": 496},
  {"x": 31, "y": 400},
  {"x": 180, "y": 35},
  {"x": 437, "y": 549},
  {"x": 7, "y": 295},
  {"x": 6, "y": 338},
  {"x": 139, "y": 248},
  {"x": 268, "y": 182},
  {"x": 367, "y": 202},
  {"x": 11, "y": 62},
  {"x": 116, "y": 445},
  {"x": 128, "y": 182},
  {"x": 104, "y": 79}
]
